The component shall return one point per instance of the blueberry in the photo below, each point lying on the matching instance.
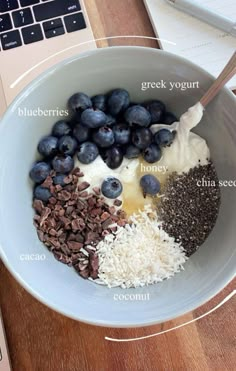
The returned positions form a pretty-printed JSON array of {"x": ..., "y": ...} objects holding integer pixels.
[
  {"x": 75, "y": 120},
  {"x": 164, "y": 137},
  {"x": 103, "y": 137},
  {"x": 137, "y": 115},
  {"x": 133, "y": 104},
  {"x": 93, "y": 119},
  {"x": 47, "y": 146},
  {"x": 81, "y": 133},
  {"x": 59, "y": 180},
  {"x": 118, "y": 101},
  {"x": 67, "y": 145},
  {"x": 169, "y": 118},
  {"x": 63, "y": 164},
  {"x": 142, "y": 137},
  {"x": 111, "y": 187},
  {"x": 42, "y": 193},
  {"x": 61, "y": 128},
  {"x": 132, "y": 151},
  {"x": 87, "y": 153},
  {"x": 121, "y": 133},
  {"x": 152, "y": 153},
  {"x": 150, "y": 185},
  {"x": 99, "y": 102},
  {"x": 156, "y": 109},
  {"x": 113, "y": 157},
  {"x": 39, "y": 172},
  {"x": 79, "y": 102},
  {"x": 110, "y": 120}
]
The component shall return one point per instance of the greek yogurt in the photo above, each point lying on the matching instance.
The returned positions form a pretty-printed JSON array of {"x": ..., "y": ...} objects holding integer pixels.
[{"x": 188, "y": 149}]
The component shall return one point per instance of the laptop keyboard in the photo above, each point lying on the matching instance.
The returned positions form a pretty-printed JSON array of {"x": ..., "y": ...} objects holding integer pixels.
[{"x": 24, "y": 22}]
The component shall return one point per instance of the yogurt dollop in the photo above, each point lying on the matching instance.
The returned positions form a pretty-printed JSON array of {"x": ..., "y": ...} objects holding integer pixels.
[{"x": 188, "y": 149}]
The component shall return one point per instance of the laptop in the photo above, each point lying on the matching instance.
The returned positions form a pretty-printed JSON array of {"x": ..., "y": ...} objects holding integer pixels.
[{"x": 36, "y": 34}]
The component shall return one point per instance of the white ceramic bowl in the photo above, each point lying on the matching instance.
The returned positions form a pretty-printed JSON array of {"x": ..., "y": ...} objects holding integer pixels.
[{"x": 58, "y": 286}]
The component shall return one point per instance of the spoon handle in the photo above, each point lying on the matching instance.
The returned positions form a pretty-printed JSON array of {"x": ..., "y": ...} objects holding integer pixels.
[{"x": 228, "y": 72}]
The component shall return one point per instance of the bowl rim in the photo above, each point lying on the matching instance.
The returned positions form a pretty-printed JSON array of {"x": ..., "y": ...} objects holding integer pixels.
[{"x": 49, "y": 303}]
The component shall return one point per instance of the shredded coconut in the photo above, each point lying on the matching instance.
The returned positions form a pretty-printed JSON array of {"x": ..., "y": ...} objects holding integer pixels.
[{"x": 139, "y": 254}]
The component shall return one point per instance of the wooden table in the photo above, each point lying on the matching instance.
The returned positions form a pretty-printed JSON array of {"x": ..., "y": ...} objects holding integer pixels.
[{"x": 42, "y": 340}]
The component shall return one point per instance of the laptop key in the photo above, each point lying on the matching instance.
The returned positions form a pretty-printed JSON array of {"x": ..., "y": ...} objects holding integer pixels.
[
  {"x": 51, "y": 25},
  {"x": 11, "y": 40},
  {"x": 28, "y": 2},
  {"x": 55, "y": 9},
  {"x": 5, "y": 22},
  {"x": 74, "y": 22},
  {"x": 32, "y": 34},
  {"x": 22, "y": 17},
  {"x": 7, "y": 5},
  {"x": 54, "y": 32}
]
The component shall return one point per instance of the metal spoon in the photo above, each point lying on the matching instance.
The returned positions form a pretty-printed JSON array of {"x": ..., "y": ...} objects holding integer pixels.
[{"x": 228, "y": 72}]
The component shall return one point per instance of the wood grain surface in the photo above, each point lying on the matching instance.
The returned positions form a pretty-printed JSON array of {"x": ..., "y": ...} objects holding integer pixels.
[{"x": 42, "y": 340}]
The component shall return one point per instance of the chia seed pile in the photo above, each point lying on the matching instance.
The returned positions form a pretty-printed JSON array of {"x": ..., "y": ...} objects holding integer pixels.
[{"x": 189, "y": 212}]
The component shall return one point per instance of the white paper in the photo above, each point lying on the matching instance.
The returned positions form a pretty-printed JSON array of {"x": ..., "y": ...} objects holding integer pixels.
[{"x": 195, "y": 40}]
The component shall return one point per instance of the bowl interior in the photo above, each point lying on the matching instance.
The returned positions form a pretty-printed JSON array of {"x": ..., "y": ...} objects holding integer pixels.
[{"x": 58, "y": 286}]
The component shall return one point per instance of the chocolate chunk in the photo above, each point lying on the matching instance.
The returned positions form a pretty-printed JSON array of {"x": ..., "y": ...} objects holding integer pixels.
[
  {"x": 47, "y": 182},
  {"x": 75, "y": 171},
  {"x": 96, "y": 211},
  {"x": 107, "y": 222},
  {"x": 45, "y": 214},
  {"x": 82, "y": 266},
  {"x": 38, "y": 206},
  {"x": 92, "y": 202},
  {"x": 121, "y": 214},
  {"x": 93, "y": 265},
  {"x": 71, "y": 237},
  {"x": 84, "y": 273},
  {"x": 83, "y": 194},
  {"x": 68, "y": 179},
  {"x": 117, "y": 202},
  {"x": 74, "y": 246},
  {"x": 53, "y": 232},
  {"x": 41, "y": 235},
  {"x": 97, "y": 190},
  {"x": 76, "y": 224},
  {"x": 82, "y": 186},
  {"x": 65, "y": 249},
  {"x": 61, "y": 212},
  {"x": 52, "y": 200},
  {"x": 81, "y": 205},
  {"x": 91, "y": 237},
  {"x": 64, "y": 195},
  {"x": 104, "y": 216},
  {"x": 112, "y": 210},
  {"x": 61, "y": 257},
  {"x": 53, "y": 241},
  {"x": 37, "y": 218},
  {"x": 58, "y": 188},
  {"x": 79, "y": 238},
  {"x": 69, "y": 210},
  {"x": 62, "y": 238},
  {"x": 75, "y": 258},
  {"x": 65, "y": 221}
]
